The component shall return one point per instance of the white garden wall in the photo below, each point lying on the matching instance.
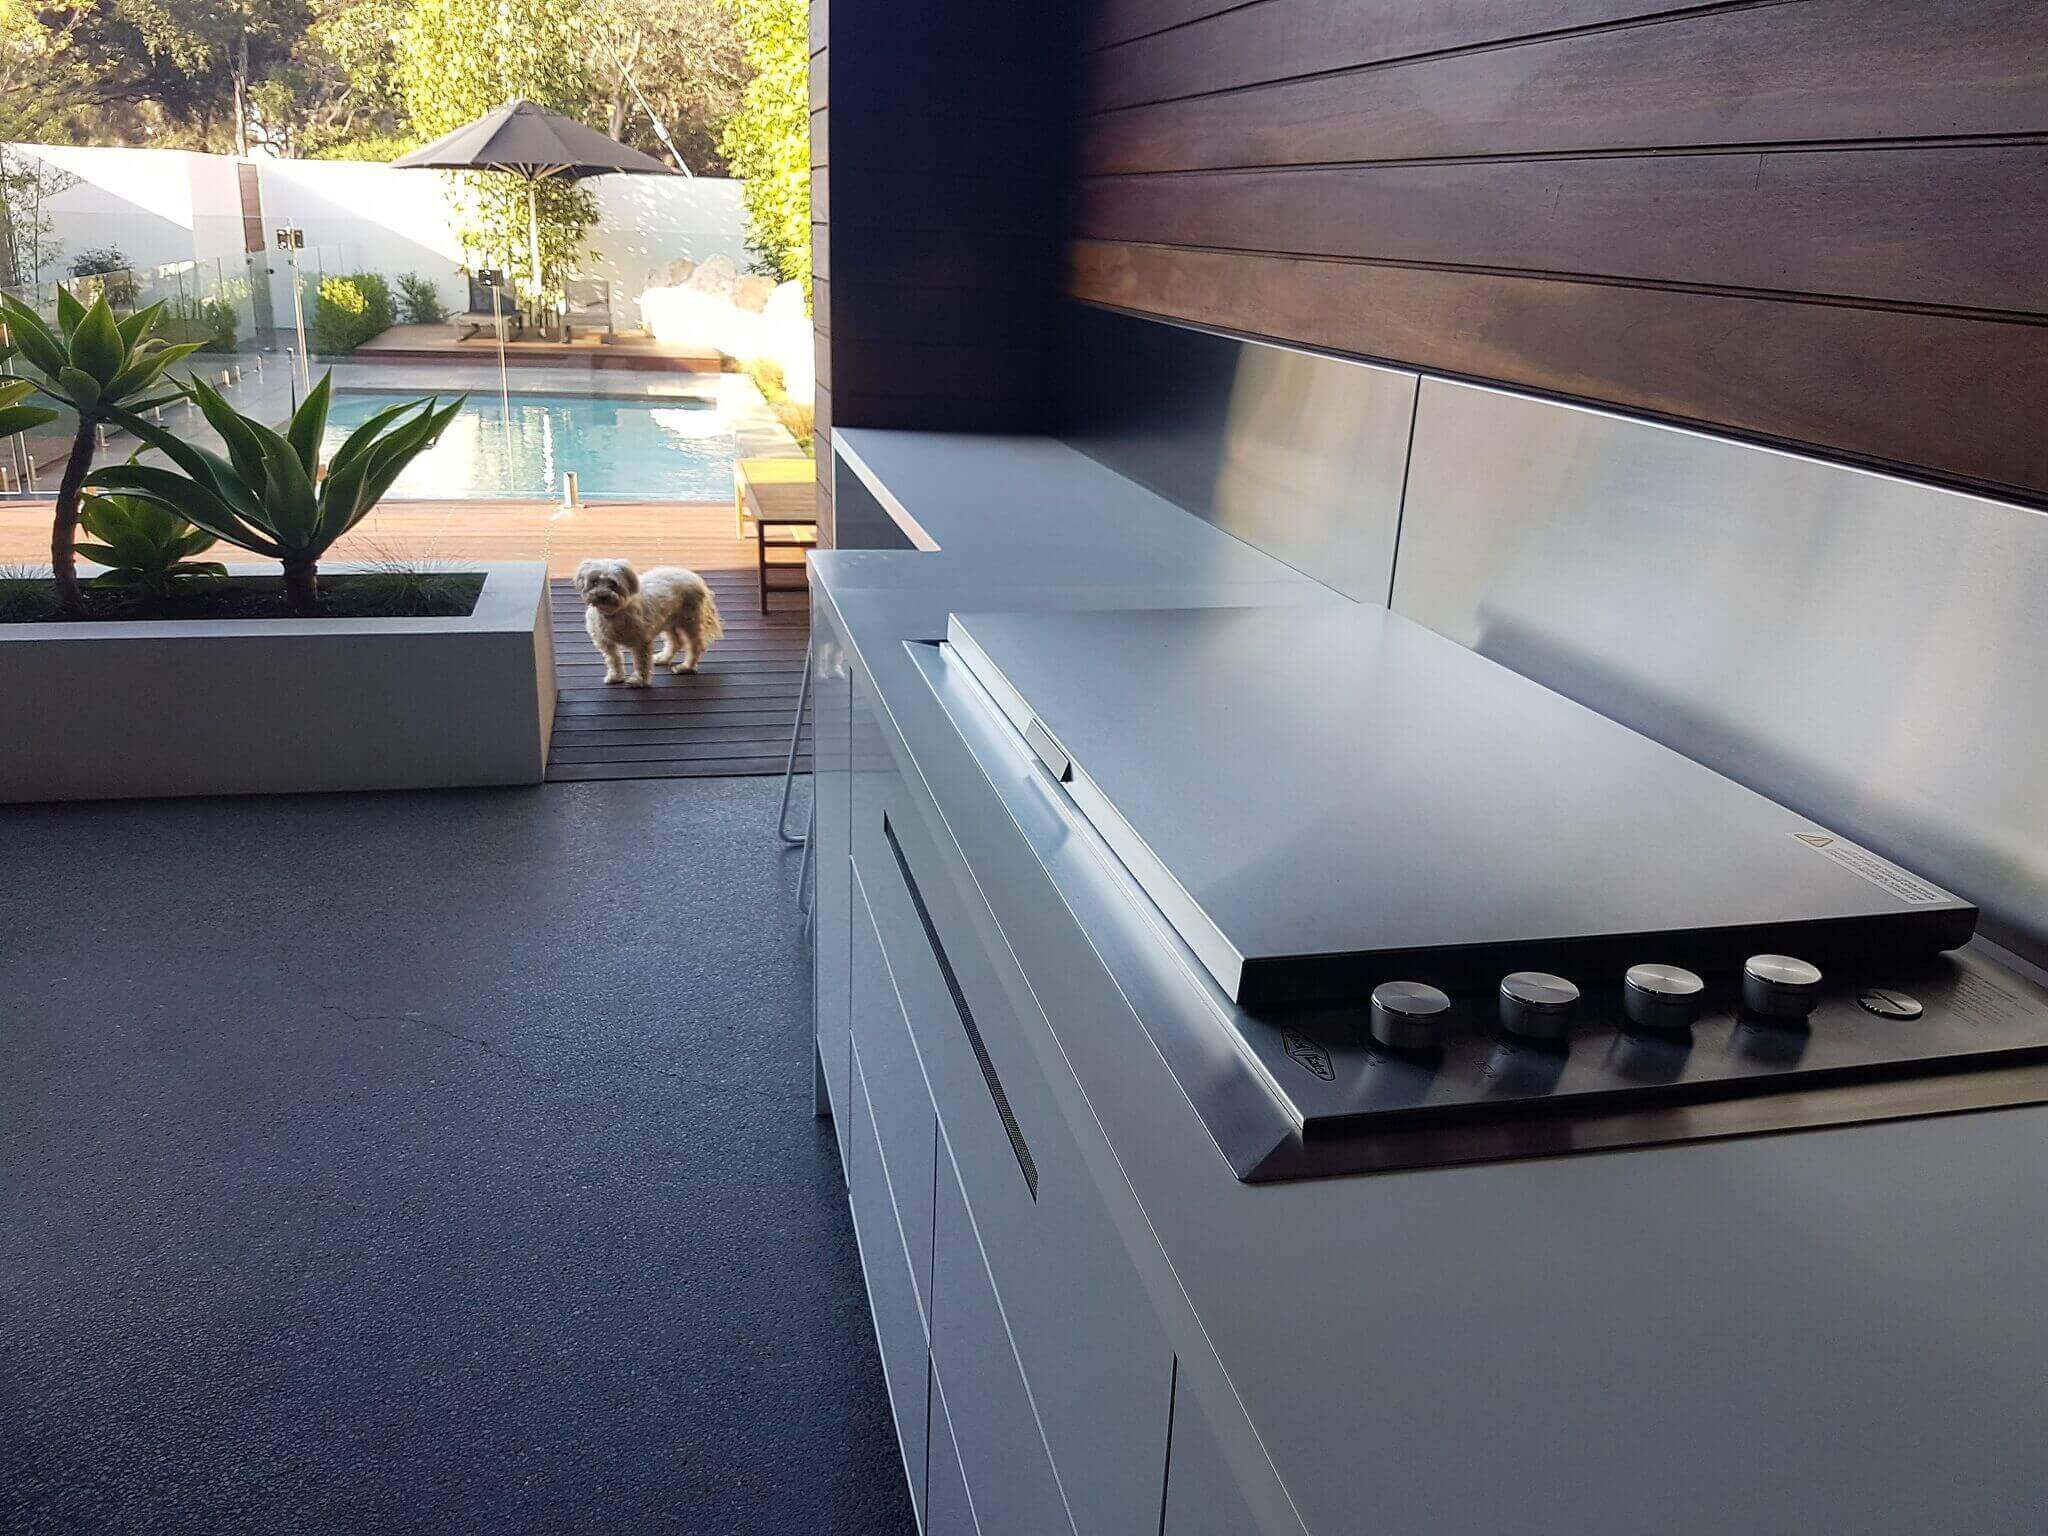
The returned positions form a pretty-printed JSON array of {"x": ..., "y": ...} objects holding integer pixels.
[{"x": 161, "y": 206}]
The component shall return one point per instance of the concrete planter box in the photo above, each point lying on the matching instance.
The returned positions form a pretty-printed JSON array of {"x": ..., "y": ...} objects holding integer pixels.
[{"x": 271, "y": 706}]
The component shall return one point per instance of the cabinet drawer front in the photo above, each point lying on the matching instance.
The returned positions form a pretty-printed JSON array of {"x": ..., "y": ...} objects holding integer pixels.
[
  {"x": 902, "y": 1104},
  {"x": 947, "y": 1509},
  {"x": 1003, "y": 1458},
  {"x": 1097, "y": 1363},
  {"x": 899, "y": 1332}
]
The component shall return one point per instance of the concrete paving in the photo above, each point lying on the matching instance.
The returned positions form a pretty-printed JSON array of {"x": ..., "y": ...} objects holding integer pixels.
[{"x": 435, "y": 1162}]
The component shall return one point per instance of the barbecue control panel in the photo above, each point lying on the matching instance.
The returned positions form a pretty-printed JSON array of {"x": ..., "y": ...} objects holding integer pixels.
[
  {"x": 1665, "y": 999},
  {"x": 1543, "y": 1048}
]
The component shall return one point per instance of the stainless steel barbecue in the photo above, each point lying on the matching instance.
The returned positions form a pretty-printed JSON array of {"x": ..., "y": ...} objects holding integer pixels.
[{"x": 1445, "y": 914}]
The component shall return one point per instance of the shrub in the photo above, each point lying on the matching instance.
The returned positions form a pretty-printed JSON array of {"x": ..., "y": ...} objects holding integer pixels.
[
  {"x": 27, "y": 596},
  {"x": 419, "y": 301},
  {"x": 97, "y": 259},
  {"x": 800, "y": 420},
  {"x": 103, "y": 270},
  {"x": 211, "y": 323},
  {"x": 348, "y": 311}
]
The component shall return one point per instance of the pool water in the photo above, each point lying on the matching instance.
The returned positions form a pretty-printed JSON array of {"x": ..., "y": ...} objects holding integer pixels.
[{"x": 631, "y": 450}]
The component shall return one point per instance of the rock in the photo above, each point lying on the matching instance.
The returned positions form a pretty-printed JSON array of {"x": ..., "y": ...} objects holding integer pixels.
[
  {"x": 752, "y": 293},
  {"x": 715, "y": 276},
  {"x": 679, "y": 272}
]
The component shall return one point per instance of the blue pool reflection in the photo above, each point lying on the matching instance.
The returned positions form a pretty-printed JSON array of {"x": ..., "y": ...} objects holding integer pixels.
[{"x": 633, "y": 450}]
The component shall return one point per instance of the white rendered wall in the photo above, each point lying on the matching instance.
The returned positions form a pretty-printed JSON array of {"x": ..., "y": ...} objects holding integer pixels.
[
  {"x": 138, "y": 199},
  {"x": 161, "y": 206}
]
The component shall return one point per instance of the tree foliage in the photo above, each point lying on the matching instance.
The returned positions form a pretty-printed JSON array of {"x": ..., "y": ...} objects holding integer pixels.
[
  {"x": 767, "y": 141},
  {"x": 686, "y": 58},
  {"x": 323, "y": 77},
  {"x": 457, "y": 59}
]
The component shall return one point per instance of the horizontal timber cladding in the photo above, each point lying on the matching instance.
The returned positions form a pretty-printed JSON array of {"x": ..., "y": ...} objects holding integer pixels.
[
  {"x": 1959, "y": 397},
  {"x": 1814, "y": 222},
  {"x": 1961, "y": 227},
  {"x": 1281, "y": 39},
  {"x": 1797, "y": 72}
]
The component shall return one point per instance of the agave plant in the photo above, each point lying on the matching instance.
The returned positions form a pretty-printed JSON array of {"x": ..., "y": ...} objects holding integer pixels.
[
  {"x": 267, "y": 494},
  {"x": 14, "y": 416},
  {"x": 145, "y": 546},
  {"x": 105, "y": 370}
]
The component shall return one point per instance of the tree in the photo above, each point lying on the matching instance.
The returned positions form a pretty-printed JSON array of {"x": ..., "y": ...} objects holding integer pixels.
[
  {"x": 26, "y": 184},
  {"x": 41, "y": 71},
  {"x": 768, "y": 141},
  {"x": 687, "y": 60},
  {"x": 187, "y": 68},
  {"x": 457, "y": 59},
  {"x": 337, "y": 93}
]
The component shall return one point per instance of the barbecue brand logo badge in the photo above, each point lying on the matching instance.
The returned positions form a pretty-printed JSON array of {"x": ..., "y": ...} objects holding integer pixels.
[
  {"x": 1812, "y": 841},
  {"x": 1308, "y": 1053}
]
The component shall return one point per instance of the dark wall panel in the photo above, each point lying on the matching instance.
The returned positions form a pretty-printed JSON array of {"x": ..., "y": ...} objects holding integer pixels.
[
  {"x": 1815, "y": 222},
  {"x": 949, "y": 121},
  {"x": 821, "y": 253}
]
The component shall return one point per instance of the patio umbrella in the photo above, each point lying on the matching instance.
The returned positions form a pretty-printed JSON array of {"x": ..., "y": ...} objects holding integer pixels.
[{"x": 535, "y": 145}]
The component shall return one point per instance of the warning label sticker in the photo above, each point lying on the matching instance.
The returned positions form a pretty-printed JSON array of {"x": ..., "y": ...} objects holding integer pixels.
[{"x": 1879, "y": 871}]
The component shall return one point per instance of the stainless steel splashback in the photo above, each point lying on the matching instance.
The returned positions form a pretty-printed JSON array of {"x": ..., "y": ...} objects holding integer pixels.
[
  {"x": 1870, "y": 651},
  {"x": 1298, "y": 454}
]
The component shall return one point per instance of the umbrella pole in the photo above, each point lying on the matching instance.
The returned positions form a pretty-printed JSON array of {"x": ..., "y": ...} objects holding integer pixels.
[{"x": 504, "y": 386}]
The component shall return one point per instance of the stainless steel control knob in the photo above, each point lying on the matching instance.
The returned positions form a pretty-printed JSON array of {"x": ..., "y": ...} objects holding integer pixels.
[
  {"x": 1409, "y": 1016},
  {"x": 1661, "y": 996},
  {"x": 1537, "y": 1005},
  {"x": 1779, "y": 987}
]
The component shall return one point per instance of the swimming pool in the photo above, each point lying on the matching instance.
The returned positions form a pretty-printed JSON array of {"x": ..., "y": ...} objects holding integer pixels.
[{"x": 625, "y": 449}]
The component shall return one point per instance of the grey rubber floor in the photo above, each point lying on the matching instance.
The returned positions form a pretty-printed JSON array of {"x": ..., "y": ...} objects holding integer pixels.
[{"x": 436, "y": 1162}]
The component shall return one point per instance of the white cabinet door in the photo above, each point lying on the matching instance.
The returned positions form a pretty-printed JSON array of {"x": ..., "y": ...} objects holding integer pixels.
[
  {"x": 1002, "y": 1456},
  {"x": 899, "y": 1332},
  {"x": 904, "y": 1123},
  {"x": 947, "y": 1509}
]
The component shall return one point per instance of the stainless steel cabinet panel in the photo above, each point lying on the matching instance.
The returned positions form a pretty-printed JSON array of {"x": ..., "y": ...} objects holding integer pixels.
[
  {"x": 1202, "y": 1499},
  {"x": 1091, "y": 1349},
  {"x": 1002, "y": 1455},
  {"x": 899, "y": 1332},
  {"x": 948, "y": 1511},
  {"x": 831, "y": 917},
  {"x": 902, "y": 1104}
]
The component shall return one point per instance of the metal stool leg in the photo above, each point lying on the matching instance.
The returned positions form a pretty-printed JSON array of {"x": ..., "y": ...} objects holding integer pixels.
[
  {"x": 796, "y": 736},
  {"x": 805, "y": 892}
]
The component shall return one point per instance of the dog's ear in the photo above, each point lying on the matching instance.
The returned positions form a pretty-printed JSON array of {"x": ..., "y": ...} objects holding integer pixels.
[
  {"x": 630, "y": 577},
  {"x": 583, "y": 575}
]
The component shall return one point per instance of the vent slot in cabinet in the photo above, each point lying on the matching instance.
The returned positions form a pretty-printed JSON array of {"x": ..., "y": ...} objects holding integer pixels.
[{"x": 973, "y": 1030}]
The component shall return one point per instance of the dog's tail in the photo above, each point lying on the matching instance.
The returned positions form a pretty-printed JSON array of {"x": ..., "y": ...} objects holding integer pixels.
[{"x": 714, "y": 626}]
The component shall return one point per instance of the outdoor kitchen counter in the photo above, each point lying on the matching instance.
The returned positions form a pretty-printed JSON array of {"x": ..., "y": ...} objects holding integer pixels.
[{"x": 1828, "y": 1331}]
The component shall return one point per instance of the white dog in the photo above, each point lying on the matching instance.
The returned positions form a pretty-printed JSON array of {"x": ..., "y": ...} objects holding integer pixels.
[{"x": 629, "y": 612}]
